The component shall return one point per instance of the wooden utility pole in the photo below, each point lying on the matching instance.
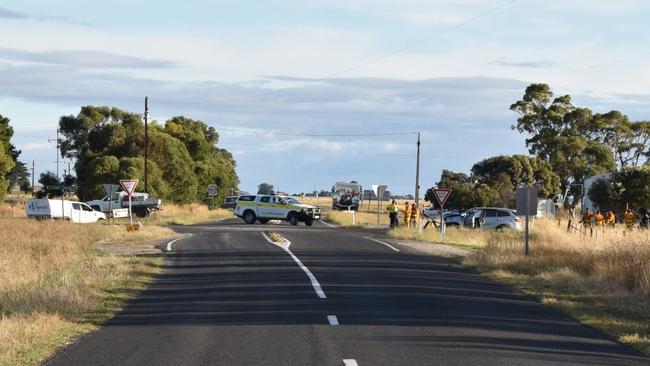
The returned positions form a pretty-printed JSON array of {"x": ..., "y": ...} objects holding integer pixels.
[
  {"x": 417, "y": 181},
  {"x": 146, "y": 140}
]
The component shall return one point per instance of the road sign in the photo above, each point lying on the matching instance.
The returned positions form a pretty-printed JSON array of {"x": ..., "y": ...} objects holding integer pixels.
[
  {"x": 128, "y": 185},
  {"x": 441, "y": 195},
  {"x": 379, "y": 190},
  {"x": 111, "y": 188},
  {"x": 120, "y": 212},
  {"x": 526, "y": 205},
  {"x": 212, "y": 190}
]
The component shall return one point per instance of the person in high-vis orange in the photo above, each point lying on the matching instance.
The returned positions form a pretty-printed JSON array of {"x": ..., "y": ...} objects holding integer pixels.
[
  {"x": 407, "y": 214},
  {"x": 599, "y": 219},
  {"x": 586, "y": 218},
  {"x": 629, "y": 219},
  {"x": 611, "y": 219}
]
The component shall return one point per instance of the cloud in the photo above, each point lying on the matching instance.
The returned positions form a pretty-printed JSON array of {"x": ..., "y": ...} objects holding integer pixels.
[
  {"x": 543, "y": 64},
  {"x": 10, "y": 14},
  {"x": 83, "y": 58}
]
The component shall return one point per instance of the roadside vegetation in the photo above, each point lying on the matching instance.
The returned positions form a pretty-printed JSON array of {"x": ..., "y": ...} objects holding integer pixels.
[
  {"x": 362, "y": 219},
  {"x": 60, "y": 279},
  {"x": 603, "y": 281}
]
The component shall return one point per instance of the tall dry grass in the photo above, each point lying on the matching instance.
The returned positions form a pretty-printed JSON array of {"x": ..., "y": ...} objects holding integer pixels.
[
  {"x": 53, "y": 277},
  {"x": 362, "y": 219},
  {"x": 186, "y": 214}
]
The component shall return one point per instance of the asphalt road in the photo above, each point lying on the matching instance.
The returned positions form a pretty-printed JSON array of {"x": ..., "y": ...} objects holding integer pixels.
[{"x": 226, "y": 296}]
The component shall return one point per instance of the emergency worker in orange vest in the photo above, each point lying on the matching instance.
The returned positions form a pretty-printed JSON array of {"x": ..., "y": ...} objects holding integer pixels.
[
  {"x": 611, "y": 219},
  {"x": 407, "y": 214},
  {"x": 586, "y": 218},
  {"x": 599, "y": 219},
  {"x": 629, "y": 219}
]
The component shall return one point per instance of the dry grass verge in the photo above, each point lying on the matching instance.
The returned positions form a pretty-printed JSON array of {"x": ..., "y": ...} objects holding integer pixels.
[
  {"x": 186, "y": 215},
  {"x": 603, "y": 281},
  {"x": 363, "y": 219},
  {"x": 56, "y": 284}
]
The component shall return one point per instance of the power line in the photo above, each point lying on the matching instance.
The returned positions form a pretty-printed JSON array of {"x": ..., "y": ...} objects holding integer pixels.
[
  {"x": 422, "y": 41},
  {"x": 269, "y": 132},
  {"x": 394, "y": 52}
]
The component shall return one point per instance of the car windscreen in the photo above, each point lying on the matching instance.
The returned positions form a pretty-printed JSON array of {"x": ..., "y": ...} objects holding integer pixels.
[{"x": 246, "y": 198}]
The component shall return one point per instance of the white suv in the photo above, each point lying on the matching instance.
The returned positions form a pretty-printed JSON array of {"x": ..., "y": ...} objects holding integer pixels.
[{"x": 492, "y": 218}]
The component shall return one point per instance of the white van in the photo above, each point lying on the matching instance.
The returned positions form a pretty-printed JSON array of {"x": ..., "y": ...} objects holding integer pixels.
[{"x": 74, "y": 211}]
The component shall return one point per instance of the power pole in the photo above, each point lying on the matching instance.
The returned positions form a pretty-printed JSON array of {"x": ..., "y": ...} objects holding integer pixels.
[
  {"x": 57, "y": 152},
  {"x": 146, "y": 140},
  {"x": 33, "y": 169},
  {"x": 417, "y": 179}
]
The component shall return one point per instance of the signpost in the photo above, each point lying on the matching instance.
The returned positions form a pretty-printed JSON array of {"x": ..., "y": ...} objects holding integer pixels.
[
  {"x": 379, "y": 192},
  {"x": 120, "y": 212},
  {"x": 212, "y": 192},
  {"x": 128, "y": 185},
  {"x": 526, "y": 205},
  {"x": 441, "y": 195},
  {"x": 110, "y": 190}
]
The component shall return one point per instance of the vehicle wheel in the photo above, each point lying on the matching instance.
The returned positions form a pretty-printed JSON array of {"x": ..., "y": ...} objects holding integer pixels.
[
  {"x": 309, "y": 221},
  {"x": 501, "y": 227},
  {"x": 293, "y": 218},
  {"x": 141, "y": 212},
  {"x": 452, "y": 225},
  {"x": 249, "y": 217},
  {"x": 263, "y": 221}
]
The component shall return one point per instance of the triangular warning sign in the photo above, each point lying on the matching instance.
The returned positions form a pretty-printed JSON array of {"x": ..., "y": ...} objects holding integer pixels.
[
  {"x": 442, "y": 195},
  {"x": 128, "y": 185}
]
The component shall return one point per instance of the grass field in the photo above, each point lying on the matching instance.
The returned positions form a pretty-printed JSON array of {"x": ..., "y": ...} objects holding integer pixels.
[
  {"x": 602, "y": 281},
  {"x": 56, "y": 283}
]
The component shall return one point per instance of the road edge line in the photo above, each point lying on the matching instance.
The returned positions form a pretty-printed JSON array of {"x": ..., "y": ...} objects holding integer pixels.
[
  {"x": 314, "y": 282},
  {"x": 328, "y": 224},
  {"x": 381, "y": 242},
  {"x": 169, "y": 245}
]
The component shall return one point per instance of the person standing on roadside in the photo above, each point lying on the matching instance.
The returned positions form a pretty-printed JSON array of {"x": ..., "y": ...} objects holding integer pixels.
[
  {"x": 599, "y": 219},
  {"x": 586, "y": 218},
  {"x": 414, "y": 215},
  {"x": 392, "y": 214},
  {"x": 629, "y": 219},
  {"x": 611, "y": 219},
  {"x": 407, "y": 214}
]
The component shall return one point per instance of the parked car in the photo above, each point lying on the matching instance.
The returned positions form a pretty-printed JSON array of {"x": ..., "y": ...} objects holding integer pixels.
[
  {"x": 141, "y": 204},
  {"x": 431, "y": 212},
  {"x": 230, "y": 202},
  {"x": 263, "y": 208},
  {"x": 492, "y": 218},
  {"x": 453, "y": 219},
  {"x": 77, "y": 212}
]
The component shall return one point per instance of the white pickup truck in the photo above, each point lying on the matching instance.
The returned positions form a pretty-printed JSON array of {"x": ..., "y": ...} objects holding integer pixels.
[
  {"x": 141, "y": 204},
  {"x": 264, "y": 208},
  {"x": 78, "y": 212}
]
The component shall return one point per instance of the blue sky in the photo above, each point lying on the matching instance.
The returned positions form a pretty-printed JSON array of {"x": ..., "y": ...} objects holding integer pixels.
[{"x": 263, "y": 73}]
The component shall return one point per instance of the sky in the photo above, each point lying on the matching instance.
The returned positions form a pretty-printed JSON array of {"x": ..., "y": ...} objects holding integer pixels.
[{"x": 281, "y": 81}]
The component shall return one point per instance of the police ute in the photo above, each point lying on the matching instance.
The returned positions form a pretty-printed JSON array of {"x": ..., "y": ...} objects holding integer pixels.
[{"x": 264, "y": 208}]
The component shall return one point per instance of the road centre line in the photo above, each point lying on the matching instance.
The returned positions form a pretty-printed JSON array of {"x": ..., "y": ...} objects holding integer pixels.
[
  {"x": 169, "y": 245},
  {"x": 350, "y": 362},
  {"x": 381, "y": 242},
  {"x": 333, "y": 320},
  {"x": 314, "y": 282}
]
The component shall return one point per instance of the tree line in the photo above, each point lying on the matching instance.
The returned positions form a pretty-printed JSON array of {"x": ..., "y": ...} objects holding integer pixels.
[
  {"x": 107, "y": 144},
  {"x": 567, "y": 144}
]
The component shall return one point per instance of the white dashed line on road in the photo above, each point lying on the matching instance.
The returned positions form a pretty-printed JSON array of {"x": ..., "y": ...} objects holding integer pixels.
[
  {"x": 384, "y": 243},
  {"x": 333, "y": 320},
  {"x": 312, "y": 278},
  {"x": 169, "y": 245},
  {"x": 350, "y": 362}
]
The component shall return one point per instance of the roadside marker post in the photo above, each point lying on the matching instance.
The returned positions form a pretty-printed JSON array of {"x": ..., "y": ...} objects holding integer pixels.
[
  {"x": 129, "y": 187},
  {"x": 442, "y": 195}
]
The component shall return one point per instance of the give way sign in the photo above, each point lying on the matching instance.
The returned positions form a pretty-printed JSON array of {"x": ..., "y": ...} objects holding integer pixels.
[
  {"x": 442, "y": 195},
  {"x": 128, "y": 185}
]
